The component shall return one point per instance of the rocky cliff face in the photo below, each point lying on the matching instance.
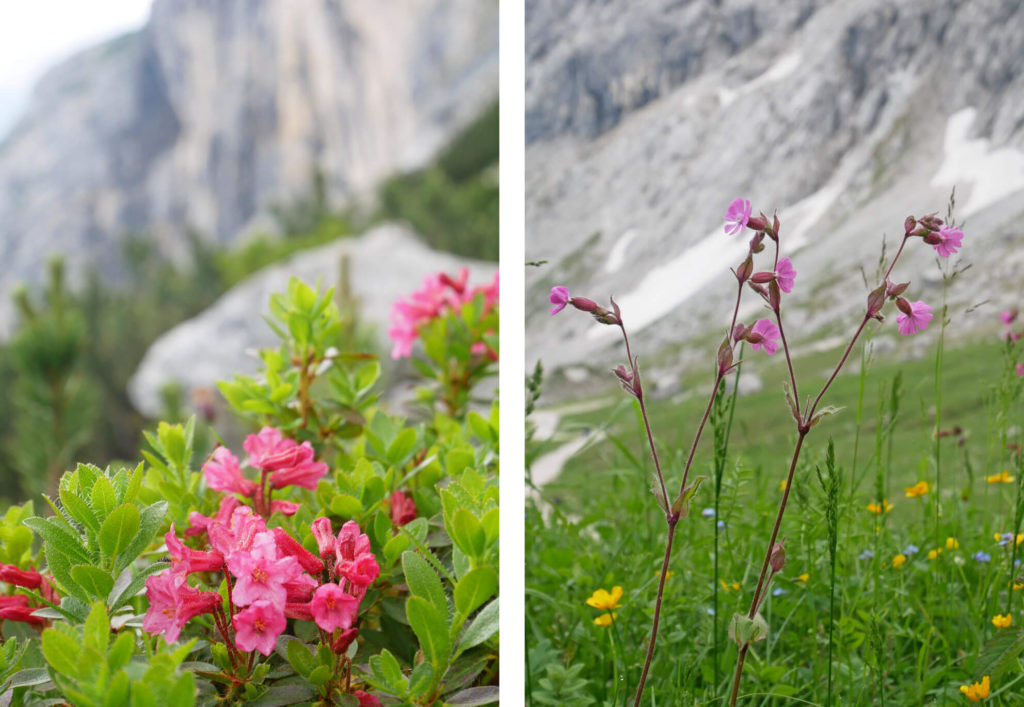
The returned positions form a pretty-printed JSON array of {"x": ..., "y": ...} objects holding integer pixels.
[
  {"x": 644, "y": 120},
  {"x": 216, "y": 110}
]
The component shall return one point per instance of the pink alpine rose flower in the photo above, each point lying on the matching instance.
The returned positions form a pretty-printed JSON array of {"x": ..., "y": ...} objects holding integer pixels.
[
  {"x": 258, "y": 626},
  {"x": 333, "y": 608},
  {"x": 172, "y": 603},
  {"x": 949, "y": 239},
  {"x": 238, "y": 533},
  {"x": 290, "y": 547},
  {"x": 223, "y": 473},
  {"x": 785, "y": 275},
  {"x": 353, "y": 559},
  {"x": 11, "y": 574},
  {"x": 737, "y": 216},
  {"x": 559, "y": 297},
  {"x": 403, "y": 508},
  {"x": 764, "y": 334},
  {"x": 366, "y": 699},
  {"x": 913, "y": 317},
  {"x": 261, "y": 573},
  {"x": 324, "y": 535},
  {"x": 185, "y": 560},
  {"x": 200, "y": 523},
  {"x": 285, "y": 508}
]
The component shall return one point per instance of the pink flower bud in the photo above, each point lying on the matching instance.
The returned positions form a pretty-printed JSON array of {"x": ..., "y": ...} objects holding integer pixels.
[
  {"x": 744, "y": 270},
  {"x": 324, "y": 535},
  {"x": 756, "y": 223},
  {"x": 757, "y": 242},
  {"x": 774, "y": 295},
  {"x": 931, "y": 222},
  {"x": 738, "y": 332},
  {"x": 29, "y": 579},
  {"x": 778, "y": 556},
  {"x": 343, "y": 641},
  {"x": 584, "y": 305},
  {"x": 904, "y": 306},
  {"x": 909, "y": 225},
  {"x": 896, "y": 290},
  {"x": 724, "y": 356},
  {"x": 876, "y": 300},
  {"x": 763, "y": 278}
]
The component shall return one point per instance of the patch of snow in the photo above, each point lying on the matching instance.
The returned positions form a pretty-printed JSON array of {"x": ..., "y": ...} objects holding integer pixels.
[
  {"x": 782, "y": 68},
  {"x": 667, "y": 286},
  {"x": 547, "y": 468},
  {"x": 798, "y": 219},
  {"x": 576, "y": 374},
  {"x": 617, "y": 255},
  {"x": 992, "y": 175}
]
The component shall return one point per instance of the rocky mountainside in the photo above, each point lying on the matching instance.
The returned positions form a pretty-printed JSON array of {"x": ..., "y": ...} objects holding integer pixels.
[
  {"x": 217, "y": 110},
  {"x": 644, "y": 120}
]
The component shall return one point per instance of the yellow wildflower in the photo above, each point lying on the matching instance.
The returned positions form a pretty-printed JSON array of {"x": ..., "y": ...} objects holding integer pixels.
[
  {"x": 918, "y": 489},
  {"x": 782, "y": 485},
  {"x": 878, "y": 509},
  {"x": 802, "y": 579},
  {"x": 605, "y": 619},
  {"x": 605, "y": 601},
  {"x": 899, "y": 560},
  {"x": 1017, "y": 586},
  {"x": 933, "y": 554},
  {"x": 1002, "y": 620},
  {"x": 733, "y": 587},
  {"x": 976, "y": 691},
  {"x": 1002, "y": 478},
  {"x": 952, "y": 543}
]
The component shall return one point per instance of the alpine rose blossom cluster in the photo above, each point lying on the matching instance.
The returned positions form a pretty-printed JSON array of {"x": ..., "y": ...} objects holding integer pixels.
[
  {"x": 281, "y": 462},
  {"x": 439, "y": 295},
  {"x": 271, "y": 576}
]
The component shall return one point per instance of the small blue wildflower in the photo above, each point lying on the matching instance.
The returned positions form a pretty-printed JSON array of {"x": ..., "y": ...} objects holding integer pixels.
[
  {"x": 721, "y": 525},
  {"x": 708, "y": 513},
  {"x": 778, "y": 592},
  {"x": 711, "y": 612},
  {"x": 866, "y": 555},
  {"x": 1006, "y": 538},
  {"x": 982, "y": 556},
  {"x": 910, "y": 550}
]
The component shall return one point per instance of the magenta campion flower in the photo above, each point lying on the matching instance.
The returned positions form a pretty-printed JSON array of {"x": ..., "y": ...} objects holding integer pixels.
[
  {"x": 767, "y": 335},
  {"x": 261, "y": 573},
  {"x": 950, "y": 238},
  {"x": 1008, "y": 316},
  {"x": 737, "y": 216},
  {"x": 917, "y": 320},
  {"x": 559, "y": 297},
  {"x": 223, "y": 473},
  {"x": 1020, "y": 369},
  {"x": 258, "y": 626},
  {"x": 172, "y": 603},
  {"x": 185, "y": 560},
  {"x": 785, "y": 275},
  {"x": 333, "y": 608}
]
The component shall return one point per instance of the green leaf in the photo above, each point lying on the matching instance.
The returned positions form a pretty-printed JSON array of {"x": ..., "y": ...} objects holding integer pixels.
[
  {"x": 467, "y": 533},
  {"x": 419, "y": 681},
  {"x": 118, "y": 692},
  {"x": 482, "y": 627},
  {"x": 301, "y": 658},
  {"x": 104, "y": 498},
  {"x": 745, "y": 630},
  {"x": 93, "y": 580},
  {"x": 96, "y": 632},
  {"x": 472, "y": 696},
  {"x": 121, "y": 652},
  {"x": 682, "y": 502},
  {"x": 320, "y": 675},
  {"x": 79, "y": 510},
  {"x": 61, "y": 652},
  {"x": 60, "y": 567},
  {"x": 29, "y": 677},
  {"x": 387, "y": 668},
  {"x": 476, "y": 587},
  {"x": 401, "y": 447},
  {"x": 395, "y": 547},
  {"x": 119, "y": 529},
  {"x": 131, "y": 494},
  {"x": 424, "y": 582},
  {"x": 431, "y": 631},
  {"x": 346, "y": 506},
  {"x": 150, "y": 521},
  {"x": 61, "y": 540},
  {"x": 999, "y": 654}
]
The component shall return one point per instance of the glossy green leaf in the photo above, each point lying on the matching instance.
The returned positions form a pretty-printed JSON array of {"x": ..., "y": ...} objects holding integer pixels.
[
  {"x": 476, "y": 587},
  {"x": 424, "y": 582},
  {"x": 94, "y": 581},
  {"x": 431, "y": 630},
  {"x": 119, "y": 529}
]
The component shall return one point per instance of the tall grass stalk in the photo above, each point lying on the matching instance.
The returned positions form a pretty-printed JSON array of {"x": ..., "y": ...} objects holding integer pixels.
[{"x": 831, "y": 486}]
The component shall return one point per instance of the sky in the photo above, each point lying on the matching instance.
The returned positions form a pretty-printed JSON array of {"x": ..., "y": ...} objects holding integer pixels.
[{"x": 36, "y": 35}]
